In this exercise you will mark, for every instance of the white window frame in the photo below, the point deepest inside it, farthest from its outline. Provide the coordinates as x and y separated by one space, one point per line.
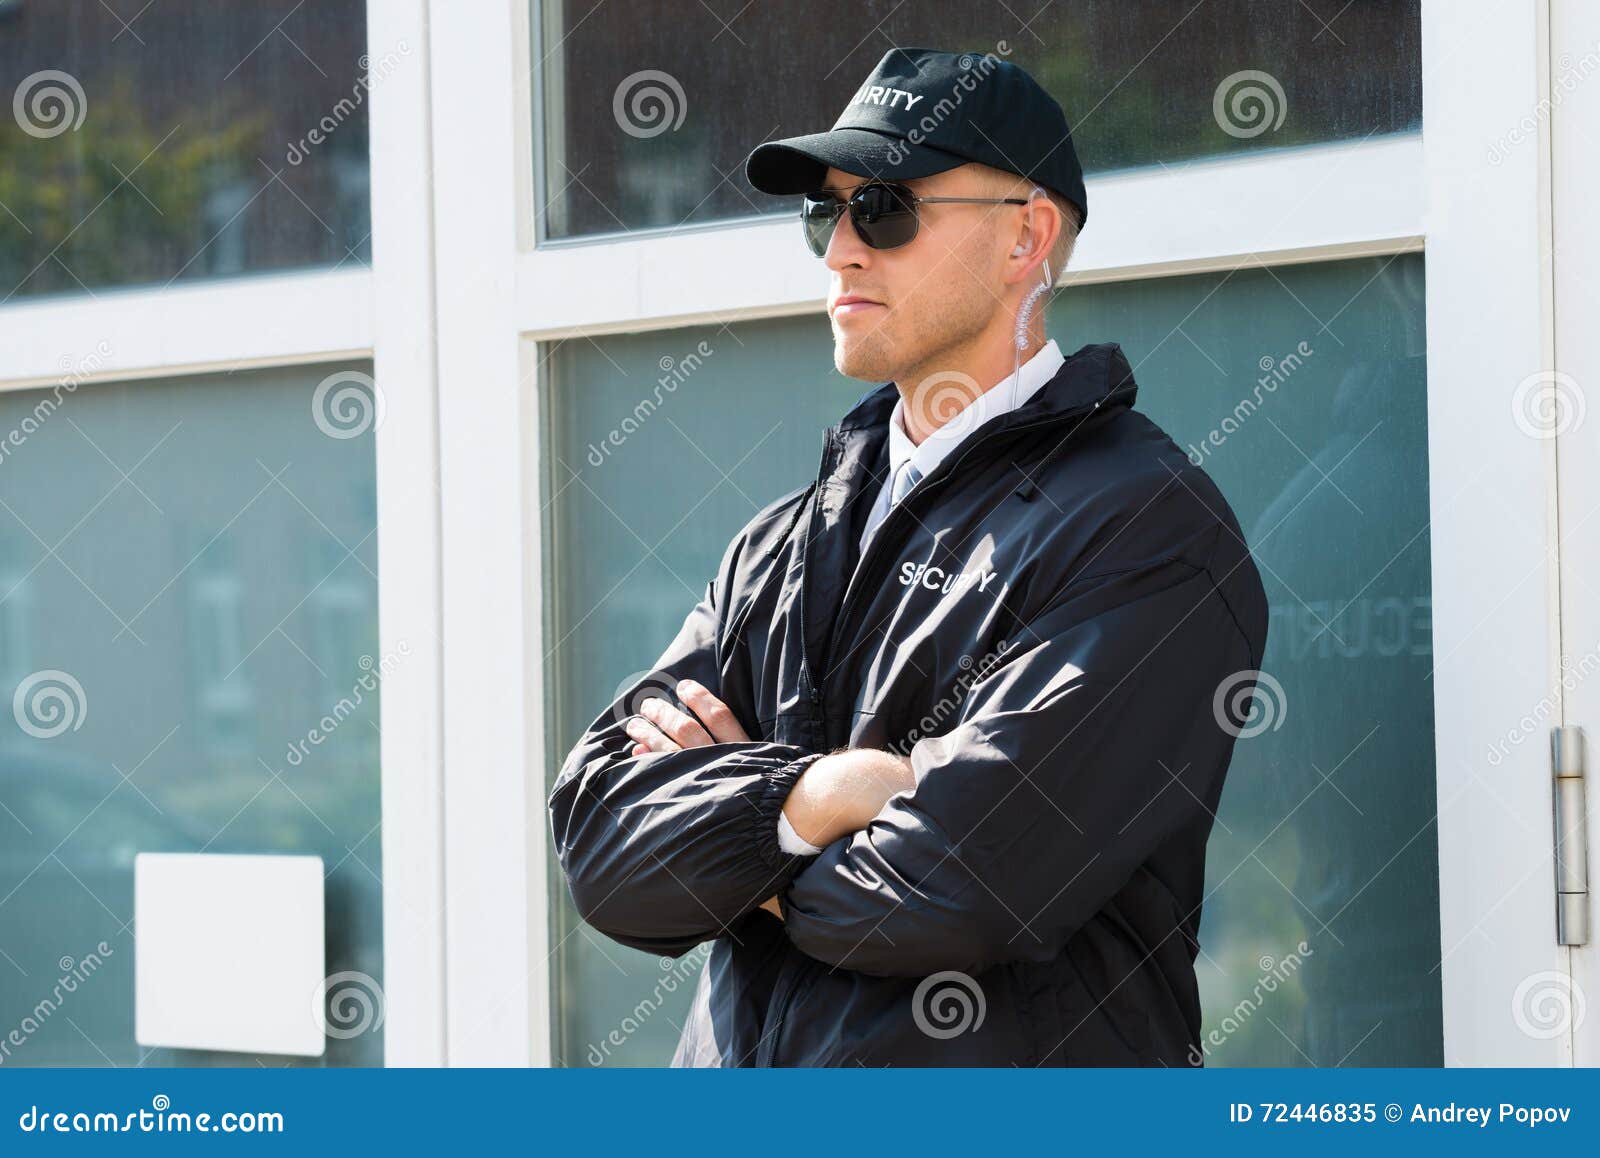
459 299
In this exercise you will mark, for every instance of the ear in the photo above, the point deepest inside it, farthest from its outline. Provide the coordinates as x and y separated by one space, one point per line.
1041 224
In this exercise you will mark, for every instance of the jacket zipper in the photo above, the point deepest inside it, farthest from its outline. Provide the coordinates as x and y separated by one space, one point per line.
824 470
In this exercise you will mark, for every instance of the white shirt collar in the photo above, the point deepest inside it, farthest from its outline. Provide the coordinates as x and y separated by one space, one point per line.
1032 374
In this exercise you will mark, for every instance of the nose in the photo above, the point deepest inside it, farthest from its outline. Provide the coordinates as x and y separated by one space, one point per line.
845 247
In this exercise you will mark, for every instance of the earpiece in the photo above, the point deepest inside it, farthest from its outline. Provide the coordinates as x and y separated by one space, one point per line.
1022 250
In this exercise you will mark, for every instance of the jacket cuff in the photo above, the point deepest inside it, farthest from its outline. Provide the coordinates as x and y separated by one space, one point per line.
769 809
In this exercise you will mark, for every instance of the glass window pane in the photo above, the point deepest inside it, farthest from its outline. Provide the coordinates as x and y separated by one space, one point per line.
188 646
1302 390
166 142
647 121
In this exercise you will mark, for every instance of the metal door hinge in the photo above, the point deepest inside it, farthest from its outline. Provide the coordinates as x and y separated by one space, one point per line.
1571 836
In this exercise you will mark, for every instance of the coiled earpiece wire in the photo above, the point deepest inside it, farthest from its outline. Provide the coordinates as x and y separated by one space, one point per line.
1029 304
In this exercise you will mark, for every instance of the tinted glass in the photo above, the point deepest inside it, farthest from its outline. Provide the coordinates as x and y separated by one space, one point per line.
189 659
647 121
152 143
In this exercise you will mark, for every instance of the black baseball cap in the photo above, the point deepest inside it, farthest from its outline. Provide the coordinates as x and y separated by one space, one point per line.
923 111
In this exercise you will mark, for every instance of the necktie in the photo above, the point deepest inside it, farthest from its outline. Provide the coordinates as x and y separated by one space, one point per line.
905 478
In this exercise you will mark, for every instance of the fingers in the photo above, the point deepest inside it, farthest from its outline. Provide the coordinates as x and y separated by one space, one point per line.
662 727
647 737
678 728
714 714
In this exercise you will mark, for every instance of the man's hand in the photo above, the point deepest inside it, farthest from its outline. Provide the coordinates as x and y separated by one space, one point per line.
662 727
842 792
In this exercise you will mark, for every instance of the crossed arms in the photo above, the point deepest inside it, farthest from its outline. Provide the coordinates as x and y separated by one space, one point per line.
1086 748
838 794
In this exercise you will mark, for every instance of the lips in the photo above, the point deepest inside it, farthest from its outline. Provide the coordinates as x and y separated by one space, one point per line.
850 305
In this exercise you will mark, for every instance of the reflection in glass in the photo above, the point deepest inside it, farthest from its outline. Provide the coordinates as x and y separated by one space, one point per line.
646 121
1302 391
166 142
188 640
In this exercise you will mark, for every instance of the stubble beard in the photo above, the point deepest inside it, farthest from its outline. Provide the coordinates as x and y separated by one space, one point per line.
876 356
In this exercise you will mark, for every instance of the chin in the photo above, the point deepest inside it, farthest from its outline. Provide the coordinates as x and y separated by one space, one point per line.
867 361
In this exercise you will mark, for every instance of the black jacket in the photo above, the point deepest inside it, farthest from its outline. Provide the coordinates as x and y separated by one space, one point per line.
1060 626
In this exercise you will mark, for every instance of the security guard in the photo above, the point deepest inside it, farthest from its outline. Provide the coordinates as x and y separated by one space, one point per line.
934 761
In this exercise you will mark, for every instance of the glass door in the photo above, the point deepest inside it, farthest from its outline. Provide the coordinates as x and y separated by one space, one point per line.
1381 885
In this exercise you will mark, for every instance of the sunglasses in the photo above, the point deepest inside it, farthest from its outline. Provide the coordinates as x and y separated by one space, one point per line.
883 214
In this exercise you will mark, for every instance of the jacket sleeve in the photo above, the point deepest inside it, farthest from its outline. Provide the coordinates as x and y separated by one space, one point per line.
664 851
1077 753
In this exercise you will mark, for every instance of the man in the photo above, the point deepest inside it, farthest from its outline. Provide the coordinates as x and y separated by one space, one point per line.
934 762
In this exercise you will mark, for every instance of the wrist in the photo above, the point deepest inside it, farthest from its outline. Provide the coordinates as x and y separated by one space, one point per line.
812 808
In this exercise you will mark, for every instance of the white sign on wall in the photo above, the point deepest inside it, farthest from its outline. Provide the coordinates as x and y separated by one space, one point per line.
228 952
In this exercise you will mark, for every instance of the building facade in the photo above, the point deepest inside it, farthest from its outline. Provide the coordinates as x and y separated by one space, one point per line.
502 349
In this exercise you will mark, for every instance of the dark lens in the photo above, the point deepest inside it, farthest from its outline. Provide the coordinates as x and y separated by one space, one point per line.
818 216
884 215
